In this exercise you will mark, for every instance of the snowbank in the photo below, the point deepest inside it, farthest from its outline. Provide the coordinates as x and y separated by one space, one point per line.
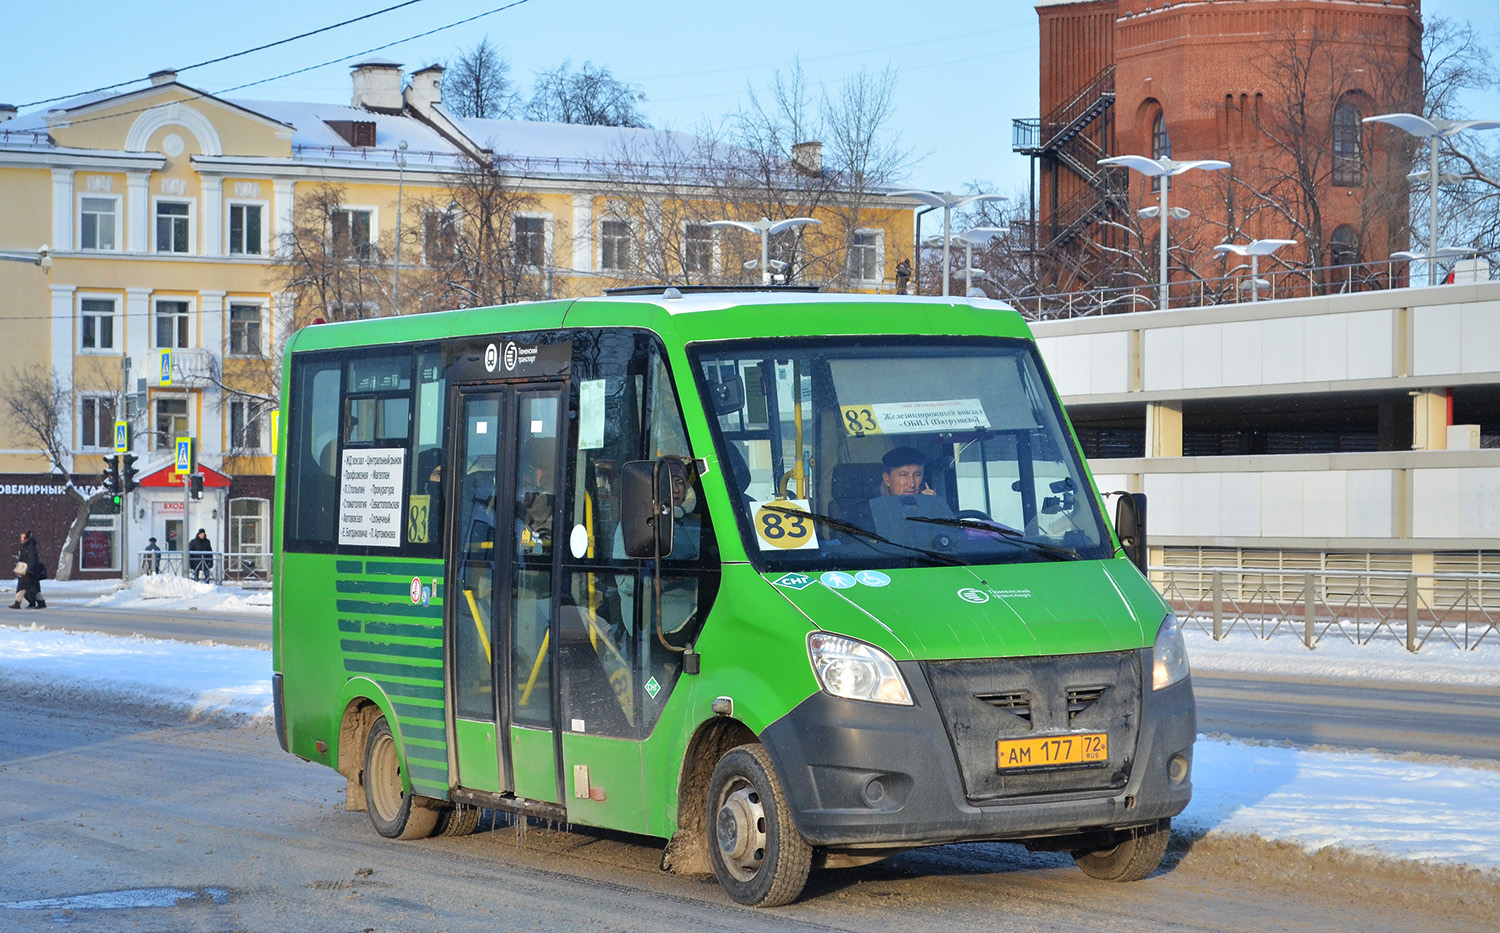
164 592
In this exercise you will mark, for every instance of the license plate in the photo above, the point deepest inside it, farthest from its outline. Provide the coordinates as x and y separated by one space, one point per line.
1054 751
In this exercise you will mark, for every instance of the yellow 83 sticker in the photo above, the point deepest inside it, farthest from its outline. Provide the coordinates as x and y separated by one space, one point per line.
860 419
779 525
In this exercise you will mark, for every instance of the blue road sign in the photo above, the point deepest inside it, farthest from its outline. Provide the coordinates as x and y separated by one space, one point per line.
122 437
184 462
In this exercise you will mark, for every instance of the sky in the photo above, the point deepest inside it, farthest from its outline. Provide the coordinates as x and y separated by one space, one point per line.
1427 810
965 68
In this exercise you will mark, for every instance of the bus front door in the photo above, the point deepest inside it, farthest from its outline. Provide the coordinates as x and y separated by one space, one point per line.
500 562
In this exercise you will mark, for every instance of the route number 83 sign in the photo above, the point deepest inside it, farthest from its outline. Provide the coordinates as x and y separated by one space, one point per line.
779 527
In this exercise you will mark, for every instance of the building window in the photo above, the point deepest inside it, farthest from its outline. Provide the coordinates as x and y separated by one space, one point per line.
245 425
353 232
171 421
1343 247
99 221
245 330
96 422
1348 172
245 230
99 547
864 256
173 226
697 251
248 523
614 245
173 325
96 324
440 235
530 235
1161 144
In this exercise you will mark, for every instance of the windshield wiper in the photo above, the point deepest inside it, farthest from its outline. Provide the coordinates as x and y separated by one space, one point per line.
1054 551
838 524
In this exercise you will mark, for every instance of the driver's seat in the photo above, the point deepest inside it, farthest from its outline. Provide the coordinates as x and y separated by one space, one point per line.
854 485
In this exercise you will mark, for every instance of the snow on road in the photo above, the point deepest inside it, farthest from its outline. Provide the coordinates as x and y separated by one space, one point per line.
1420 810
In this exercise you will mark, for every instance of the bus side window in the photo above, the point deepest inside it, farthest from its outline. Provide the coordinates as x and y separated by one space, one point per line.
424 510
312 456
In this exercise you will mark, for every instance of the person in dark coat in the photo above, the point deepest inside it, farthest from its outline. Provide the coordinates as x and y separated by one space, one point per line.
29 584
151 560
201 556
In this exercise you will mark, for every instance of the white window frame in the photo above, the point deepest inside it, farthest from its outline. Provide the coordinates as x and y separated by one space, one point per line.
715 257
370 209
159 443
192 224
879 235
630 245
106 439
265 218
265 328
192 318
116 332
119 200
546 220
263 508
247 408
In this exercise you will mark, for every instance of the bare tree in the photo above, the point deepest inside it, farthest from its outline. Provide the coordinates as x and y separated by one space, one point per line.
592 95
37 403
478 84
329 261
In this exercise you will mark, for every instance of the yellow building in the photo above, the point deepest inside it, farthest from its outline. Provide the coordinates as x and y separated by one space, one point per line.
172 221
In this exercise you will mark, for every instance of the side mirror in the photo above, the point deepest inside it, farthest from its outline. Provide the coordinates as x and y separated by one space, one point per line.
728 396
646 505
1130 525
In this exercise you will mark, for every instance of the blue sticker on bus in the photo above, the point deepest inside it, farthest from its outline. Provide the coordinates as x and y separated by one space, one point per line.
872 578
837 580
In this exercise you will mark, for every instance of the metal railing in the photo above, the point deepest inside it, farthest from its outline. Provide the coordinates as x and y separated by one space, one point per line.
247 568
1356 605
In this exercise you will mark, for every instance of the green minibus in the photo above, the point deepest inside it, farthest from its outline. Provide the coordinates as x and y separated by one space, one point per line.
786 579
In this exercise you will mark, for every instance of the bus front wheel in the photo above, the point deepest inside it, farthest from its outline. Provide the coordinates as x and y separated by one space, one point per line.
758 855
1135 854
395 814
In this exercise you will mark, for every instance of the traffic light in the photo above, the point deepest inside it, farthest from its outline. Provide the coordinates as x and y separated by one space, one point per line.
195 485
112 476
127 473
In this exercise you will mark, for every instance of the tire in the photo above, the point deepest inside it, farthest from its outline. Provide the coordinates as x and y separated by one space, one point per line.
458 820
1137 853
395 814
758 855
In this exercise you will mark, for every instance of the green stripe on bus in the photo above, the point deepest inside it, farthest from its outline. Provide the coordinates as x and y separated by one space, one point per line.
413 740
373 586
414 712
416 691
437 777
348 625
356 606
435 734
402 568
350 566
392 649
415 672
433 629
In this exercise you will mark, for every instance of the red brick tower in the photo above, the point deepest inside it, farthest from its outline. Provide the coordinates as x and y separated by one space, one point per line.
1275 87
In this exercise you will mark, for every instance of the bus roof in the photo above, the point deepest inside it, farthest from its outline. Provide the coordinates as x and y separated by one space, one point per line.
683 319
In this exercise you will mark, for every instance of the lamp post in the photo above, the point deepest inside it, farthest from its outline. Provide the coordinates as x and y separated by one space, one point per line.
1163 169
947 200
970 238
766 228
396 257
1433 130
1254 249
42 257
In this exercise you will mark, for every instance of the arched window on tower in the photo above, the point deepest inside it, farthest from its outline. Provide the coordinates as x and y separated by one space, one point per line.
1343 246
1161 143
1348 167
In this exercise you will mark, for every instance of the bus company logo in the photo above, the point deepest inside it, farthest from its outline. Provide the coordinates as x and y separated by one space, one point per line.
491 356
970 595
511 356
794 581
416 590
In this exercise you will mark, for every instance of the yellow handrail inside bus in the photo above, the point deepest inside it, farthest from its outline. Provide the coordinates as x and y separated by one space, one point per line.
478 625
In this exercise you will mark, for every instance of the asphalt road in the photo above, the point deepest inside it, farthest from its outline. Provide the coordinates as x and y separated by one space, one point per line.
106 810
226 628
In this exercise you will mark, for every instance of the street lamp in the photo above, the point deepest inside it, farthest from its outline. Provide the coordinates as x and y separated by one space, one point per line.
1254 249
947 200
1434 131
1163 169
42 257
970 238
767 229
396 258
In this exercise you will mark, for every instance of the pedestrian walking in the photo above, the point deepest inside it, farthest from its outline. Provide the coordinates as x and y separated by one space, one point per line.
201 556
151 562
30 571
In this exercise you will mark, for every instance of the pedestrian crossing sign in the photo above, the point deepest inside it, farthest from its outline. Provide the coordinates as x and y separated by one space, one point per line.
164 376
122 437
184 462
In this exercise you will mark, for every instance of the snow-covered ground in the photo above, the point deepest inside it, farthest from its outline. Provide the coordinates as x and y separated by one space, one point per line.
1437 812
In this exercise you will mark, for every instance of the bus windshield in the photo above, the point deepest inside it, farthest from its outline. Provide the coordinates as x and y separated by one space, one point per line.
855 453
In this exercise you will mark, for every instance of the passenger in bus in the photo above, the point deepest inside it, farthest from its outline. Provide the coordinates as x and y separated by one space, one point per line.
905 492
535 496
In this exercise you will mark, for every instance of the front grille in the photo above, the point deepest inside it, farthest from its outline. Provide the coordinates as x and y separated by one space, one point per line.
987 700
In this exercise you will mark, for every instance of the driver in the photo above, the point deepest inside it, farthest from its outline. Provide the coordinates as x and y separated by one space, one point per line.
904 492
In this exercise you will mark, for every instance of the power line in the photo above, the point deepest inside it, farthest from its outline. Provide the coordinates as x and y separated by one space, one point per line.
225 58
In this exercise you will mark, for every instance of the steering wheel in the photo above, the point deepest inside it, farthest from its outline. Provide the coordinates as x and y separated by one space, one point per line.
974 513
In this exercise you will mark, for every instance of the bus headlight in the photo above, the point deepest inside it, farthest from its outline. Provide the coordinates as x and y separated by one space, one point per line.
856 671
1169 662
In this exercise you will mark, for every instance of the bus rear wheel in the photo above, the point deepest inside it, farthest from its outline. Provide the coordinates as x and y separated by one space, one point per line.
1135 854
758 855
393 811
